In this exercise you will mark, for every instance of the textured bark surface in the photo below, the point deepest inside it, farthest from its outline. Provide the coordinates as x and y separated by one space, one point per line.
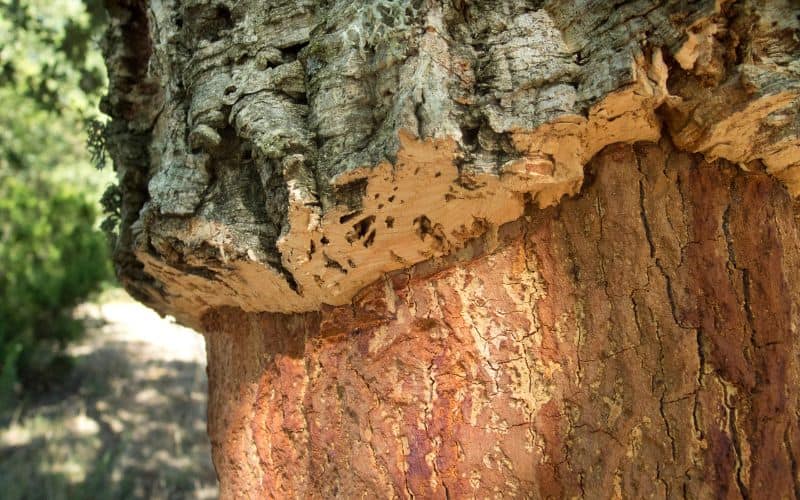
636 342
534 249
280 156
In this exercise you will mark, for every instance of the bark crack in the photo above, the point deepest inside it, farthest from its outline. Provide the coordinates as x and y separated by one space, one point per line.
642 213
787 443
730 408
743 271
376 404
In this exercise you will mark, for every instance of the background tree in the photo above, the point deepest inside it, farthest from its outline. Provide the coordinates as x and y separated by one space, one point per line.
51 254
450 248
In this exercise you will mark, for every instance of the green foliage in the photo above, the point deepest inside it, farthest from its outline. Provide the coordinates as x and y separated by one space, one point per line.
112 206
51 79
96 142
48 51
51 259
51 254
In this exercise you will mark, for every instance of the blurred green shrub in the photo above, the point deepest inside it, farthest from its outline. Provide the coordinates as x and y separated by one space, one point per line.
51 258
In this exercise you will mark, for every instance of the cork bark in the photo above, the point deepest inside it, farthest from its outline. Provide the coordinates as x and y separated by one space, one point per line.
450 249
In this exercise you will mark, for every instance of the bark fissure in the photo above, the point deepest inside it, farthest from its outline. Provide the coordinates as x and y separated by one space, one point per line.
787 443
730 408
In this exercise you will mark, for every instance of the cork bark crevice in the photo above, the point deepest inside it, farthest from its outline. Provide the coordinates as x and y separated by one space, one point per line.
291 154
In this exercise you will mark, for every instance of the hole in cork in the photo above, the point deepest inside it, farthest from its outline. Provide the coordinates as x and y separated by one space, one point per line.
360 229
370 239
350 216
423 226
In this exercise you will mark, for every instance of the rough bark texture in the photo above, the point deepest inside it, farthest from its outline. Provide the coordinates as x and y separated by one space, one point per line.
491 248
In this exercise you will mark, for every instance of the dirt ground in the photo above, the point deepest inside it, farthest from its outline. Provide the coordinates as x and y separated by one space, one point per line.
128 423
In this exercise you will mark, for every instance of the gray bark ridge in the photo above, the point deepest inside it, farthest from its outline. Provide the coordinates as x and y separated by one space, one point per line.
280 156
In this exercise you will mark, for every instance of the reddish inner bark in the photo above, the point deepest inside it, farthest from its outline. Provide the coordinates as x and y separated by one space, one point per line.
638 340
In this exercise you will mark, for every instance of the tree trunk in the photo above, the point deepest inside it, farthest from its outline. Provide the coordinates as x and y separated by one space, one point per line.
473 249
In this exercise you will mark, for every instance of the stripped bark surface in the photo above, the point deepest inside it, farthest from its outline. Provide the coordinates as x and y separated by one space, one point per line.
635 342
495 248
